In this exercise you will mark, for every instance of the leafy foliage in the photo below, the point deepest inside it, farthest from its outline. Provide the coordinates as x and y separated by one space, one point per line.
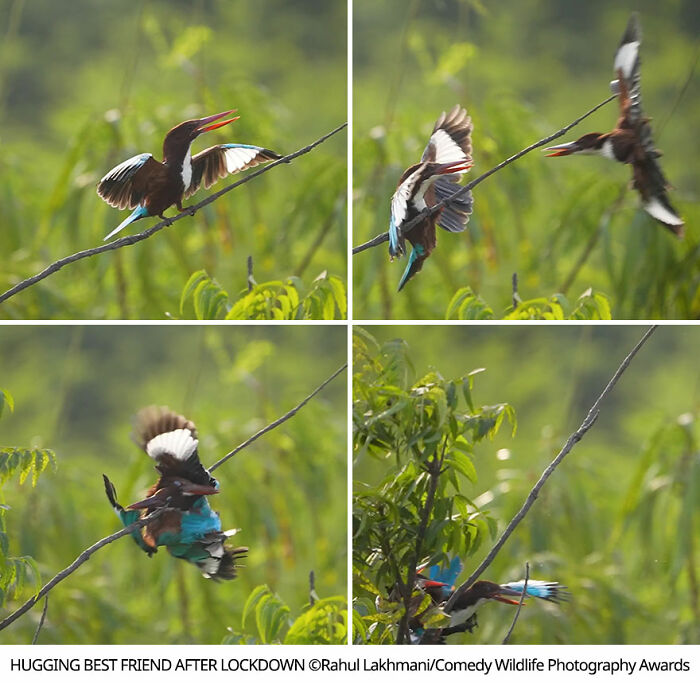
424 432
466 305
276 300
322 623
564 225
18 572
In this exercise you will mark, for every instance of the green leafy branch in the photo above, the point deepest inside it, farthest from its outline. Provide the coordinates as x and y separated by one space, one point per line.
274 300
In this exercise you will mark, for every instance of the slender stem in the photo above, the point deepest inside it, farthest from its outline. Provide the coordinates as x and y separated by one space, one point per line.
520 605
532 496
81 559
41 621
278 421
133 239
429 211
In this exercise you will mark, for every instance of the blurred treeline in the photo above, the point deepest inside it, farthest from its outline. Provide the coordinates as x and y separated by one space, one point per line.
76 391
524 70
618 520
85 85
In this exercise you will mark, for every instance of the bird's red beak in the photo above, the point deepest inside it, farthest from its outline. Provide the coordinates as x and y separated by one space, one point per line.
204 128
501 597
561 150
456 167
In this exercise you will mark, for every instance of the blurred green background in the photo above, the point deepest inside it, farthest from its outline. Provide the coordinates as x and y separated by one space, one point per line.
618 520
85 85
76 391
524 70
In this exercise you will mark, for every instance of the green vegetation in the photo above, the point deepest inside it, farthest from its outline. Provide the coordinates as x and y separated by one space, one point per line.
523 71
617 521
85 86
76 390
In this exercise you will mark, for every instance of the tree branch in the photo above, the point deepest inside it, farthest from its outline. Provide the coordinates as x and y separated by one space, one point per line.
133 239
532 496
41 621
429 211
435 468
81 559
520 605
279 420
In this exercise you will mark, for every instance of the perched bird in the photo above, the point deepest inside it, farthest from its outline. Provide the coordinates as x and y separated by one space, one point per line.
463 613
188 528
630 142
149 187
445 159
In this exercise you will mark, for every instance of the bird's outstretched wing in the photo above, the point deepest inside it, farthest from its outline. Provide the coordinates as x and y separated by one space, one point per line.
626 67
171 440
451 138
222 160
125 185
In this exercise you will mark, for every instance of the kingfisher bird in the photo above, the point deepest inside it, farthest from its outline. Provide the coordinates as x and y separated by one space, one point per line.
149 187
446 158
188 528
630 142
463 613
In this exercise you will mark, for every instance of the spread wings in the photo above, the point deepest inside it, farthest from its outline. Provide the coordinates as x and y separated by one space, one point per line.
125 185
221 160
451 138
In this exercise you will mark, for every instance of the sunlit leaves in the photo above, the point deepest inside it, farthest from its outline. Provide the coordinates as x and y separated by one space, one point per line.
275 300
25 460
591 305
323 623
412 424
6 400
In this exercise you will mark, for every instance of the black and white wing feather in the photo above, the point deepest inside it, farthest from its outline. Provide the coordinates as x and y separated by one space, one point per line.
451 138
124 186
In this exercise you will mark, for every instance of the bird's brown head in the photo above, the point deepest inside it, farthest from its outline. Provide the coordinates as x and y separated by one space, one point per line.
182 135
493 591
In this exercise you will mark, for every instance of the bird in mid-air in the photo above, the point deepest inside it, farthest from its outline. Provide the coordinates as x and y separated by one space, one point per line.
149 187
631 142
446 158
188 527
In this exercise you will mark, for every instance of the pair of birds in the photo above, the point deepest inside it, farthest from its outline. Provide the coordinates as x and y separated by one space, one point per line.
439 584
448 156
188 527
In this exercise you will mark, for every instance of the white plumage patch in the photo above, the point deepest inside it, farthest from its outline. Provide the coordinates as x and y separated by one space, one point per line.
656 209
179 443
446 149
460 616
607 150
187 168
238 158
626 57
399 202
127 167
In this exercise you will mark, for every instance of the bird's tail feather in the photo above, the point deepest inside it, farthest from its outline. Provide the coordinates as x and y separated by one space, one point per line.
138 212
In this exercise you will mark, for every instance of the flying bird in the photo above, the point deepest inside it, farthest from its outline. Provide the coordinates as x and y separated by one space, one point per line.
149 187
631 142
446 158
188 528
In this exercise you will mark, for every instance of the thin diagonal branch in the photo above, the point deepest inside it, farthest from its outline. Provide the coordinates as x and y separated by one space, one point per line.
520 605
429 211
41 621
133 239
279 420
532 496
81 559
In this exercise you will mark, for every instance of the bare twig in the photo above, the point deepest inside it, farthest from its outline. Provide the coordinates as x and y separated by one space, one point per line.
516 296
41 621
133 239
520 605
429 211
279 420
251 280
434 468
532 496
312 588
81 559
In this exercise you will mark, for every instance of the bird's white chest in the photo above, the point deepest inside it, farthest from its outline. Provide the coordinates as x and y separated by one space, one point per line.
460 616
607 150
187 168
